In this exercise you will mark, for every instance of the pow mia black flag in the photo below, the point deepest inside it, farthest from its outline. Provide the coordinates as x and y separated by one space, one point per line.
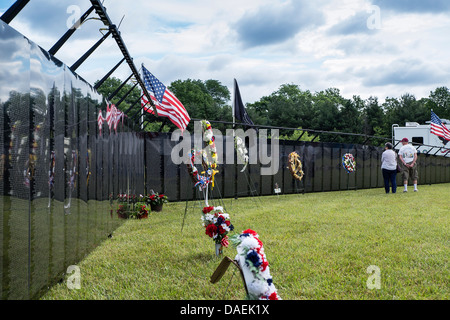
239 110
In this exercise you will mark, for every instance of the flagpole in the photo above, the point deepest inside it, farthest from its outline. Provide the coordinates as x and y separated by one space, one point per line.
233 106
142 108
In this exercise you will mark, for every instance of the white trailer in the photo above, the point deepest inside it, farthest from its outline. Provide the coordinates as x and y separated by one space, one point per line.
420 136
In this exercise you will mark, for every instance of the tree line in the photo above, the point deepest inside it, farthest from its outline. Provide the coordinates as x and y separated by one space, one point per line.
292 107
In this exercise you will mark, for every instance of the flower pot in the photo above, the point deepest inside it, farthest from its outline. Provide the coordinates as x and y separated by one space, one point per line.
122 215
143 216
156 207
219 249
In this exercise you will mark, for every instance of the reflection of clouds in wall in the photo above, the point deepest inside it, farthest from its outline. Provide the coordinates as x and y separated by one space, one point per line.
8 71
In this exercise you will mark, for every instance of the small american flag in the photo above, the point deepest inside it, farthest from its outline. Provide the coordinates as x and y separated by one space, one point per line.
438 128
167 105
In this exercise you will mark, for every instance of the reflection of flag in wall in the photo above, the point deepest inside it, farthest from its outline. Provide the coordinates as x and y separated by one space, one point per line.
116 115
239 110
113 116
438 128
100 120
109 117
167 105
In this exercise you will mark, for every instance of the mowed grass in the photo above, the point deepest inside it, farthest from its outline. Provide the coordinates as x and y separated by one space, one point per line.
319 246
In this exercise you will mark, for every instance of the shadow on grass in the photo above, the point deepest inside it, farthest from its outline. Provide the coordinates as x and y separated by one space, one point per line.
202 257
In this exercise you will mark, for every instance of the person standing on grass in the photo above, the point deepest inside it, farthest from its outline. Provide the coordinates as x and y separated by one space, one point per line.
408 161
389 167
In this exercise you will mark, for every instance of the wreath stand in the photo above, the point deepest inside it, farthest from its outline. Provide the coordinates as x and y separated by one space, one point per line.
207 195
297 188
295 167
348 176
348 180
222 268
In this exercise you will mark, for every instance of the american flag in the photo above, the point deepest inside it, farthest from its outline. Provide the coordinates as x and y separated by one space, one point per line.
167 105
438 128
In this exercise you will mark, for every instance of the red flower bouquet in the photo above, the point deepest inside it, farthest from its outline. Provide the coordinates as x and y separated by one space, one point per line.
217 224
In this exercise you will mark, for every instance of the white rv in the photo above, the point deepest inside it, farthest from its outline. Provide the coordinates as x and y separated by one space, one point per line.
421 137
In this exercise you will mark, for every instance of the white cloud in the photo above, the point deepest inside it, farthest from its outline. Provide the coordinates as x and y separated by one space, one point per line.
202 39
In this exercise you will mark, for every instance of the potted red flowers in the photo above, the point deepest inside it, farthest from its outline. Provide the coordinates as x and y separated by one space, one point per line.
132 207
156 201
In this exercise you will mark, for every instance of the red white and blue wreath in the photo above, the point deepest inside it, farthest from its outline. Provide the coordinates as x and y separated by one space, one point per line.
348 162
217 224
254 266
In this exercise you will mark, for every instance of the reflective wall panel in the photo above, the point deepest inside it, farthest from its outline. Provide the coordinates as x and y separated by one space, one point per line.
58 170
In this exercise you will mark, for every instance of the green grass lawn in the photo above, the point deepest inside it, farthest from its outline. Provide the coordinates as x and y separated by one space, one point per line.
319 246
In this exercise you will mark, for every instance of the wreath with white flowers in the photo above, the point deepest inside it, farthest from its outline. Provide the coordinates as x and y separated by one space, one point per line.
295 165
348 162
242 151
254 265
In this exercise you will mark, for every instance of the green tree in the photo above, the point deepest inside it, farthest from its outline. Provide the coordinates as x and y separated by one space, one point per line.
204 100
111 84
405 109
289 106
439 102
373 118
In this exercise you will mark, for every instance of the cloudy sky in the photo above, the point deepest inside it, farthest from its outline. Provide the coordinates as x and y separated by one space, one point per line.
381 48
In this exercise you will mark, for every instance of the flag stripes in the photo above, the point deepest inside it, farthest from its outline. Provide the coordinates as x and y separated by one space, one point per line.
438 128
167 105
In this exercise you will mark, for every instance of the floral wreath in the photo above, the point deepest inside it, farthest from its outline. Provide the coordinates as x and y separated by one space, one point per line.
217 224
209 167
208 137
242 151
254 266
199 180
349 163
295 165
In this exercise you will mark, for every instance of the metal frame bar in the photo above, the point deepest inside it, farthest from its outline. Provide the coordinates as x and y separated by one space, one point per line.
13 11
112 95
101 12
108 74
89 52
304 131
317 134
126 95
437 151
128 110
137 112
70 32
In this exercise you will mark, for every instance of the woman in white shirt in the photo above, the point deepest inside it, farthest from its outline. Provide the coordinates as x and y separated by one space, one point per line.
389 167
